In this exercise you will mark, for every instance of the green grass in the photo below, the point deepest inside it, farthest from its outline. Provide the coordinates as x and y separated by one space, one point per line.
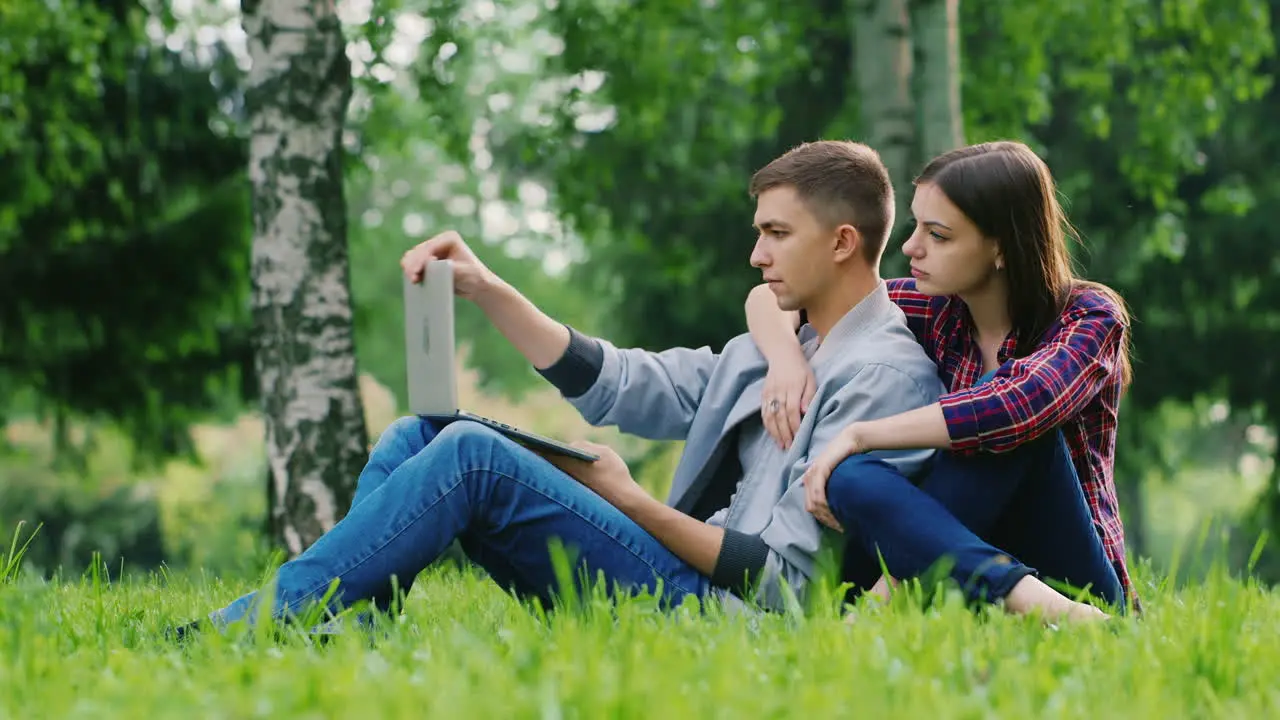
89 647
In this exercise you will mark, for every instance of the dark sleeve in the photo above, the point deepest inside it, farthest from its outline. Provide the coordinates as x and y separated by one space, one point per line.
740 562
579 368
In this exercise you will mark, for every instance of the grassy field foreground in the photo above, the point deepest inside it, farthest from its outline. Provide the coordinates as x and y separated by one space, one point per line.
92 648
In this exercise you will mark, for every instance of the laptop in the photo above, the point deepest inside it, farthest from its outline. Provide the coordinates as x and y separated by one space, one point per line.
431 365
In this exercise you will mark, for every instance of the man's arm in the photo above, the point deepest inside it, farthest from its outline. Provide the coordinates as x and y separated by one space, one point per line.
540 338
692 540
722 555
731 559
653 395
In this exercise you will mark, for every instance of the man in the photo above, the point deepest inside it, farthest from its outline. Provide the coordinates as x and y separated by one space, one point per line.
735 525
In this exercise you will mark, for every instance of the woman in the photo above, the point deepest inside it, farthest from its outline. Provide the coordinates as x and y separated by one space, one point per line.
1035 360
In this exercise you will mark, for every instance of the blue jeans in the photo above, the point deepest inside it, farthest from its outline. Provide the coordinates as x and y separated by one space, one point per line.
993 518
425 486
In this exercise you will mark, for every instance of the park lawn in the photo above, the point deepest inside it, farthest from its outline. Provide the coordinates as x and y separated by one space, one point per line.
92 648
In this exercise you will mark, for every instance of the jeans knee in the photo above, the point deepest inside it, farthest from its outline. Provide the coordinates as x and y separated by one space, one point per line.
465 434
861 486
1049 448
407 427
470 446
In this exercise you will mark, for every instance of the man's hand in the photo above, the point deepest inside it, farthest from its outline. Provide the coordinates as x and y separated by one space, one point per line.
470 276
692 540
539 338
609 477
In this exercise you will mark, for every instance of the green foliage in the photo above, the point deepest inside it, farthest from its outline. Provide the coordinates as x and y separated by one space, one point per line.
123 222
1152 79
214 524
79 520
413 175
661 193
648 153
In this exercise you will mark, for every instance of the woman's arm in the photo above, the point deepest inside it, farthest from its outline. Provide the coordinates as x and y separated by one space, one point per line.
790 381
1032 395
772 328
924 427
1028 396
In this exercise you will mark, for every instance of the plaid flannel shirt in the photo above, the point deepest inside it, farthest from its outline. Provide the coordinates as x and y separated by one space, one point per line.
1071 381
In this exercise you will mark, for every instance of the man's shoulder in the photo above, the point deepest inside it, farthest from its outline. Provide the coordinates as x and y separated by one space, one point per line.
885 357
741 348
889 341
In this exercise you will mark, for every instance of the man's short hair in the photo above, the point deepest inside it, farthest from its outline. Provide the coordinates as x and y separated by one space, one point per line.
841 182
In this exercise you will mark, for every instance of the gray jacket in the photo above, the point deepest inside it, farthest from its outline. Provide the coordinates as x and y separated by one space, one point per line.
869 366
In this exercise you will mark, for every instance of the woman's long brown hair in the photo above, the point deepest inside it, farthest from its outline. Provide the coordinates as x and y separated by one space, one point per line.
1007 191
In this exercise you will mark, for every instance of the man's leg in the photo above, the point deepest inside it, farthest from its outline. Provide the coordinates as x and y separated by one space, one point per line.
503 501
402 439
1028 502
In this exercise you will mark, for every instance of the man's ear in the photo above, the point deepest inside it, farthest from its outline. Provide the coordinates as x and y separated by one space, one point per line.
848 242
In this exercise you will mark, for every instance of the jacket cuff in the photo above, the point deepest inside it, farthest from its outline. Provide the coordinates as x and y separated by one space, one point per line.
741 560
578 368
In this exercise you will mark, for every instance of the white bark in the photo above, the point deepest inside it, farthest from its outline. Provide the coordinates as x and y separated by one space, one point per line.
883 67
298 88
936 26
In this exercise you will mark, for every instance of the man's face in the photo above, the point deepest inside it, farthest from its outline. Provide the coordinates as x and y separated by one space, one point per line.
795 251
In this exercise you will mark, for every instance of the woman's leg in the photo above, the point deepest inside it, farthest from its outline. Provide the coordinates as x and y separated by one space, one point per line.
1047 524
1027 502
504 502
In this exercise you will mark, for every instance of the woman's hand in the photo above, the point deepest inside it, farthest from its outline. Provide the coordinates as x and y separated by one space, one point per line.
815 477
788 389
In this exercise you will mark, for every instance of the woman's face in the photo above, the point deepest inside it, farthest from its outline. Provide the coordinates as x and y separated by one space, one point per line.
949 255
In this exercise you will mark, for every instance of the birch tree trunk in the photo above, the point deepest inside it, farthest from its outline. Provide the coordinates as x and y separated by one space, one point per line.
936 26
297 93
883 65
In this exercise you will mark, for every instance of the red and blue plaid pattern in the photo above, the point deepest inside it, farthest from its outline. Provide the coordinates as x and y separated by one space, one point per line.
1072 381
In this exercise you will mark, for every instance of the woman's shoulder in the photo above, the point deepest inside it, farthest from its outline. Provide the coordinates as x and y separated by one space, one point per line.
903 290
1094 300
912 301
902 286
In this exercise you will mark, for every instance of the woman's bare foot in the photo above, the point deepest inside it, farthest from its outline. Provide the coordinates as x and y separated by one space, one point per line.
1031 595
883 587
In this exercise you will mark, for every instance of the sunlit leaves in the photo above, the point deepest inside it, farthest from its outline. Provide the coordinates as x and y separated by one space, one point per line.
1155 77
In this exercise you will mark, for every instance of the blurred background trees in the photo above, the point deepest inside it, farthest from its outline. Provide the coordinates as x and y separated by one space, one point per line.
597 152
